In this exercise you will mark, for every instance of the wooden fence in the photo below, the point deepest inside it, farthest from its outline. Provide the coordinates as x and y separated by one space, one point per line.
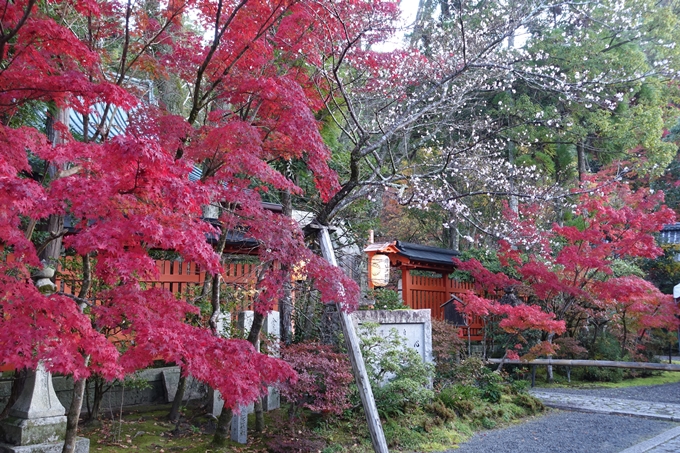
185 280
587 363
423 292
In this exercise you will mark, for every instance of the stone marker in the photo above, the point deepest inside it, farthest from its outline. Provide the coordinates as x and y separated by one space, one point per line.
245 322
272 400
36 422
239 424
171 382
413 326
215 402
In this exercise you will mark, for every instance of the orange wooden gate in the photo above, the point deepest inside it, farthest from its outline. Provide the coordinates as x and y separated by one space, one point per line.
423 292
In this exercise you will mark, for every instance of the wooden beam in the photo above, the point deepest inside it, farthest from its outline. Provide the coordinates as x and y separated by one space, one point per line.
601 363
357 360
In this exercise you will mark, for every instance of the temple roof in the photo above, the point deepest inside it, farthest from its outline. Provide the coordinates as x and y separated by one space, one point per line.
426 254
415 255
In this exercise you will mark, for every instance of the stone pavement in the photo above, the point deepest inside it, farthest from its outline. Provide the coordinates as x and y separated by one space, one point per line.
591 403
667 442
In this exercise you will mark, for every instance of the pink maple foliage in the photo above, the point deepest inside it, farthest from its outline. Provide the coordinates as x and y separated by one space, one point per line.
250 112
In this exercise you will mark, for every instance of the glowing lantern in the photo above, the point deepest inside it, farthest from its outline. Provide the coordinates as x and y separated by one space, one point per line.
380 270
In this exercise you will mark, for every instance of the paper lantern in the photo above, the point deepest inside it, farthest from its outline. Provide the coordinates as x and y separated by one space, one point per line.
380 270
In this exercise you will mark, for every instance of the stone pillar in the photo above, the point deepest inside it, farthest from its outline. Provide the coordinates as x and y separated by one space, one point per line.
37 421
215 401
239 422
271 328
245 322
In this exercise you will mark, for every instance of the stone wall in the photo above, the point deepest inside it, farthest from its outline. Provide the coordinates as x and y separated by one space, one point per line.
154 393
413 325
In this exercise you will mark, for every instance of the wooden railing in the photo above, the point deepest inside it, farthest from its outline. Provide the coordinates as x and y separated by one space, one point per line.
586 363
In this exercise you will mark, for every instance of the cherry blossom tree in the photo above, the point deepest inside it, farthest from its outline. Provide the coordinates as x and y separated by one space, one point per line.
489 103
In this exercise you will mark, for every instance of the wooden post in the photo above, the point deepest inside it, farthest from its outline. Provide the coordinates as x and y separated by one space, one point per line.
358 366
406 287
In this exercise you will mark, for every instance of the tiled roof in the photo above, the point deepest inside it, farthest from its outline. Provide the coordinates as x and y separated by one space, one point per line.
670 234
426 254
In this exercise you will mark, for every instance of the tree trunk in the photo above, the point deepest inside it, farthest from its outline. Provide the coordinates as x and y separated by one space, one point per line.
581 157
259 416
97 400
73 416
223 428
179 396
51 251
254 339
514 200
286 302
17 387
502 362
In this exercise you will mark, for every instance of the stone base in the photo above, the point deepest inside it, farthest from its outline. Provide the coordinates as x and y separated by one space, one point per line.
82 446
21 431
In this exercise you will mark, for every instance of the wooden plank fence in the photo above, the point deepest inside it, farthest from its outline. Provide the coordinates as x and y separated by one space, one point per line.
185 279
424 292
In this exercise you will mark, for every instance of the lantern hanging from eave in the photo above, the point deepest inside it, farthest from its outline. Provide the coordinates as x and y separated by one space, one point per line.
380 270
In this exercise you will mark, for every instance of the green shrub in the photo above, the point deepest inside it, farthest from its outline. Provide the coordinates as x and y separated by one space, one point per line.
488 423
491 385
606 347
469 371
386 299
439 409
399 376
519 386
460 398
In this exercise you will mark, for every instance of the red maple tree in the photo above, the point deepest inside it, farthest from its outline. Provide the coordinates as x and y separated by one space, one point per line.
568 273
250 97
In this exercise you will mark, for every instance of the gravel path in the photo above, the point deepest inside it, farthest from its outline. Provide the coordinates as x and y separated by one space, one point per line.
566 432
574 432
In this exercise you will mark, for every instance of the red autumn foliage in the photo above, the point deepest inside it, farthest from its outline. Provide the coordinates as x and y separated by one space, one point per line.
250 110
573 281
323 378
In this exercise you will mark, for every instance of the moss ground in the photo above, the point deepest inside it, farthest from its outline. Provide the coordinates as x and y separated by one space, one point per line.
433 428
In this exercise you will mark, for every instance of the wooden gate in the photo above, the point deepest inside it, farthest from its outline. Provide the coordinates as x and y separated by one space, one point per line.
423 292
